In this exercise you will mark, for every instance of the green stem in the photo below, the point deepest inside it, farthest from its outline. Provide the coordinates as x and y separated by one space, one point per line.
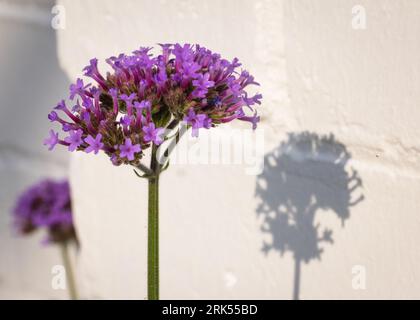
153 231
69 271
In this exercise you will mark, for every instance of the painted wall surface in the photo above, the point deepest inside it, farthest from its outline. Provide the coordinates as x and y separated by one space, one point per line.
335 213
31 83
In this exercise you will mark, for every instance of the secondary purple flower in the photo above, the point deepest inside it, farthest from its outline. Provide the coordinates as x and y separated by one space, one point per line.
95 144
46 205
74 139
52 140
153 134
127 150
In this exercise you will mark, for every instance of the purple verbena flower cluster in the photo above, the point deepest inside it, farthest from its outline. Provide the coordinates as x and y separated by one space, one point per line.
129 108
46 205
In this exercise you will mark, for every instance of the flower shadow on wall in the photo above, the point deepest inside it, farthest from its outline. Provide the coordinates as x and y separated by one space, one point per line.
305 176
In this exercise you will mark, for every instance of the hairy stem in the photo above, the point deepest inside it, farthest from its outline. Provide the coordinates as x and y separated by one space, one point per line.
153 231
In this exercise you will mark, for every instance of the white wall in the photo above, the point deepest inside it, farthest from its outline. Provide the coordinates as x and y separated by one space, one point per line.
31 82
318 74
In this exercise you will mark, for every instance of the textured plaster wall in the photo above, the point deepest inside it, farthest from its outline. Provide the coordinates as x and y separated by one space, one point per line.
350 187
31 81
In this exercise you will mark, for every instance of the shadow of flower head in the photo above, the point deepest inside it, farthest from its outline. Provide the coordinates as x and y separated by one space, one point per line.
308 174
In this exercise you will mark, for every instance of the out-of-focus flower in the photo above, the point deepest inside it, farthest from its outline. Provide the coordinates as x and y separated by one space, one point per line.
130 107
46 205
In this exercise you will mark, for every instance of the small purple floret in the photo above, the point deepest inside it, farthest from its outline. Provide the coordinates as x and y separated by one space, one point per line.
52 140
153 134
95 144
127 150
74 139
